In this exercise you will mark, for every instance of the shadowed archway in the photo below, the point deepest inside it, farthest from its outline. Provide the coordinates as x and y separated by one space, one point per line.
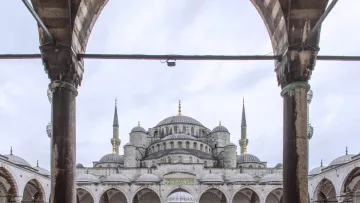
33 192
246 195
275 196
146 195
325 192
8 186
113 195
212 195
351 186
83 196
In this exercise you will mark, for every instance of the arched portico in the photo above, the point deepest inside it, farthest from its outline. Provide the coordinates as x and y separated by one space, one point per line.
146 195
8 186
350 189
113 195
325 192
246 195
83 196
275 196
33 192
213 195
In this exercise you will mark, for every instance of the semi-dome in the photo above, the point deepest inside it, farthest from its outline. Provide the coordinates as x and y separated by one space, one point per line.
220 128
272 178
138 129
316 171
248 158
241 177
86 178
112 158
148 178
17 160
179 119
42 171
212 178
341 160
180 197
179 137
117 177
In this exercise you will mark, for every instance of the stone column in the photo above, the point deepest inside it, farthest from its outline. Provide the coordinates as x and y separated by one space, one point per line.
293 73
65 73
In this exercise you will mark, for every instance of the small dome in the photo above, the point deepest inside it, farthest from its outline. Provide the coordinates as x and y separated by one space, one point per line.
241 177
248 158
316 171
179 137
79 166
279 166
220 128
272 178
138 129
43 171
148 178
112 158
17 160
86 178
212 178
341 160
180 197
117 177
179 120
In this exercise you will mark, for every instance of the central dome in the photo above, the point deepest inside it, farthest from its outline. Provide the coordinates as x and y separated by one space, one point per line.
179 119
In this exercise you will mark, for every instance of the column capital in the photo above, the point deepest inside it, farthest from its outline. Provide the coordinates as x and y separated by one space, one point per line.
293 86
296 65
61 64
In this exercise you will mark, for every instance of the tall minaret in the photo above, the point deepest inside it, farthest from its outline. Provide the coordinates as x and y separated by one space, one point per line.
115 141
243 141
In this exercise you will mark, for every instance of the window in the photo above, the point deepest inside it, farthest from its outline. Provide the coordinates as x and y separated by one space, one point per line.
195 145
169 160
164 145
205 163
158 147
192 130
179 159
187 145
180 145
190 159
175 129
201 147
172 145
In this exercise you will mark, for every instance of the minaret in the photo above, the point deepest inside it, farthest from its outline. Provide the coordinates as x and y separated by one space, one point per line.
115 141
243 141
179 109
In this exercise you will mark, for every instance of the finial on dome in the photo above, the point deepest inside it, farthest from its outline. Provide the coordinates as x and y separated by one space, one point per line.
37 163
219 123
321 163
10 150
179 108
139 123
346 151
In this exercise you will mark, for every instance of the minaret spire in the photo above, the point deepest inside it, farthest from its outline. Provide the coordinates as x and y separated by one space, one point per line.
116 121
243 141
179 108
37 163
10 150
346 150
321 164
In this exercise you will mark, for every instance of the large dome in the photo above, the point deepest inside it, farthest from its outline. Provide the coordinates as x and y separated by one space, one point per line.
179 137
341 160
112 158
179 120
248 158
220 128
17 160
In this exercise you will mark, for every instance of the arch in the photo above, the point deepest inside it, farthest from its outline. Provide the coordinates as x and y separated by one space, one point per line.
33 191
6 175
187 145
164 146
325 192
158 147
246 194
201 147
195 145
180 146
177 189
172 145
350 186
274 196
145 195
84 196
213 195
113 195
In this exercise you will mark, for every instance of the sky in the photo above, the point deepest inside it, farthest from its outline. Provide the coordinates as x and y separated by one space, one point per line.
148 91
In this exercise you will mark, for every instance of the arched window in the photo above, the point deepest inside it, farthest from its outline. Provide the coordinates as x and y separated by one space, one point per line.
170 131
153 149
209 150
164 145
153 163
201 147
198 161
190 159
192 130
180 145
187 145
179 159
184 129
195 145
175 129
206 149
172 145
158 147
205 163
166 130
169 160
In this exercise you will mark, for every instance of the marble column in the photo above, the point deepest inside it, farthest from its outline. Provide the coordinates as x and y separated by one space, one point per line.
295 142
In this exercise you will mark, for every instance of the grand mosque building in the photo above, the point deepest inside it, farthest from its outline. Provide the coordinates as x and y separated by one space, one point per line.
180 160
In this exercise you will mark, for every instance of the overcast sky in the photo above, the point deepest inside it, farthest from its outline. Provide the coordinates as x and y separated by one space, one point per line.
149 90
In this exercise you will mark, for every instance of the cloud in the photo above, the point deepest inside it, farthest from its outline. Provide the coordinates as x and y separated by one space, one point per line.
149 90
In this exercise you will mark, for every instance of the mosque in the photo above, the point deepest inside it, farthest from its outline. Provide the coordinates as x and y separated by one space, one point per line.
180 160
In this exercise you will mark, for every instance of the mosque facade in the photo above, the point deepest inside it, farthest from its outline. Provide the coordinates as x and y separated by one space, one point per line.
180 160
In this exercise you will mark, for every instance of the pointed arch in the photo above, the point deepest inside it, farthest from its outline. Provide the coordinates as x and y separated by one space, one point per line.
113 195
9 183
325 192
84 196
33 191
246 195
145 195
213 195
275 196
350 186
